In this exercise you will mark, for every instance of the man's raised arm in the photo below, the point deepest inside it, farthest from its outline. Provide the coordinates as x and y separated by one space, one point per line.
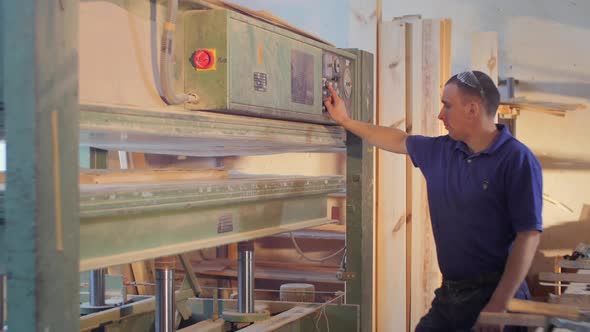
390 139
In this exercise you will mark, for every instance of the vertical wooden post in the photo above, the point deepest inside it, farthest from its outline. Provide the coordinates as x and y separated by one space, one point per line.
390 180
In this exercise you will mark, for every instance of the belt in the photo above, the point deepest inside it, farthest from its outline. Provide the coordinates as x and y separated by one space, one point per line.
481 280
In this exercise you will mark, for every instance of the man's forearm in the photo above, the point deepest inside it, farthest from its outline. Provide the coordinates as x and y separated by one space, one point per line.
390 139
517 267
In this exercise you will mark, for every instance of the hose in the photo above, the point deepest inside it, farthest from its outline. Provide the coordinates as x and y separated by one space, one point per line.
167 52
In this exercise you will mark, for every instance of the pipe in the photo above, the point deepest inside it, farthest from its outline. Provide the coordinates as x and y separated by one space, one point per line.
246 277
167 52
2 304
510 87
97 288
165 306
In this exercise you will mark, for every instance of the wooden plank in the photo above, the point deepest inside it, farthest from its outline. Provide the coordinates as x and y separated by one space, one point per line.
128 277
445 50
113 176
137 160
445 59
567 277
282 319
556 109
484 54
270 273
232 251
117 314
206 326
426 100
390 182
189 274
410 100
505 318
581 301
315 234
577 264
144 277
40 85
149 176
546 309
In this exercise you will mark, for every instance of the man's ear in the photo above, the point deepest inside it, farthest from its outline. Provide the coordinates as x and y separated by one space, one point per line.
474 109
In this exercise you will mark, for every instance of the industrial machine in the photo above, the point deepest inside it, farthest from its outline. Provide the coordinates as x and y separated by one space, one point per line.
237 64
227 84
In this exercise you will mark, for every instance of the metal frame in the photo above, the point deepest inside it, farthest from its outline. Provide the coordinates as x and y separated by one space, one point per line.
198 133
160 219
41 129
42 126
359 200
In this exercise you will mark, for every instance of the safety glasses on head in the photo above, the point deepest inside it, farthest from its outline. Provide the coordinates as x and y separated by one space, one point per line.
468 78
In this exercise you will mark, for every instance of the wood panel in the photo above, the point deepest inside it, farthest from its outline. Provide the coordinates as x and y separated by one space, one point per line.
567 277
391 186
426 52
484 54
149 176
144 277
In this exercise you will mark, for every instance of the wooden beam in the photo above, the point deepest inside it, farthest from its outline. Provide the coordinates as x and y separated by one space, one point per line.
409 87
577 264
567 277
205 326
149 176
283 319
144 277
556 109
546 309
390 183
426 101
190 274
446 27
505 318
581 301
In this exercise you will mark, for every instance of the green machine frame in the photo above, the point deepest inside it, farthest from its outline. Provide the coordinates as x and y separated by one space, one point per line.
42 123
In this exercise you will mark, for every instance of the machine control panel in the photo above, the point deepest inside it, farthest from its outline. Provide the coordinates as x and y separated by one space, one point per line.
337 70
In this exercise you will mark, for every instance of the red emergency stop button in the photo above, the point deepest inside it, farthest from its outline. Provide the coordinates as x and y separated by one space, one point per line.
204 59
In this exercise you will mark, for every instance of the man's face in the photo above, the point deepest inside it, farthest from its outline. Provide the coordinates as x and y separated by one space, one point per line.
455 113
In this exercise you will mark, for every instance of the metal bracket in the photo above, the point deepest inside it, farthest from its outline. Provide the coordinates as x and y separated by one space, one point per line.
344 275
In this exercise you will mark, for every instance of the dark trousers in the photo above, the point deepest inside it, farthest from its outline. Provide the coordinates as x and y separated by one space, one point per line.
457 304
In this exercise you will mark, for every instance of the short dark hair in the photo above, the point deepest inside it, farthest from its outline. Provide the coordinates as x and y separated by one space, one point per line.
483 88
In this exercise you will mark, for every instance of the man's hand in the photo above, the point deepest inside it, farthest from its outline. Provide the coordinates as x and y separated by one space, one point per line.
336 106
491 307
386 138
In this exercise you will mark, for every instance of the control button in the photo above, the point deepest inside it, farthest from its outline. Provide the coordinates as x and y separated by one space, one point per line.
347 80
203 59
337 65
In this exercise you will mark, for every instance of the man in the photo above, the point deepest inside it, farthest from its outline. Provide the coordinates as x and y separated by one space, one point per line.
485 196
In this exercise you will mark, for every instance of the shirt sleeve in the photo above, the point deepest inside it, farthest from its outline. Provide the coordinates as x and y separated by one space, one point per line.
525 192
420 149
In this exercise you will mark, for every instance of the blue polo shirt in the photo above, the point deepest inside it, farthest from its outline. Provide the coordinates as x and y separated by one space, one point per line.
478 201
